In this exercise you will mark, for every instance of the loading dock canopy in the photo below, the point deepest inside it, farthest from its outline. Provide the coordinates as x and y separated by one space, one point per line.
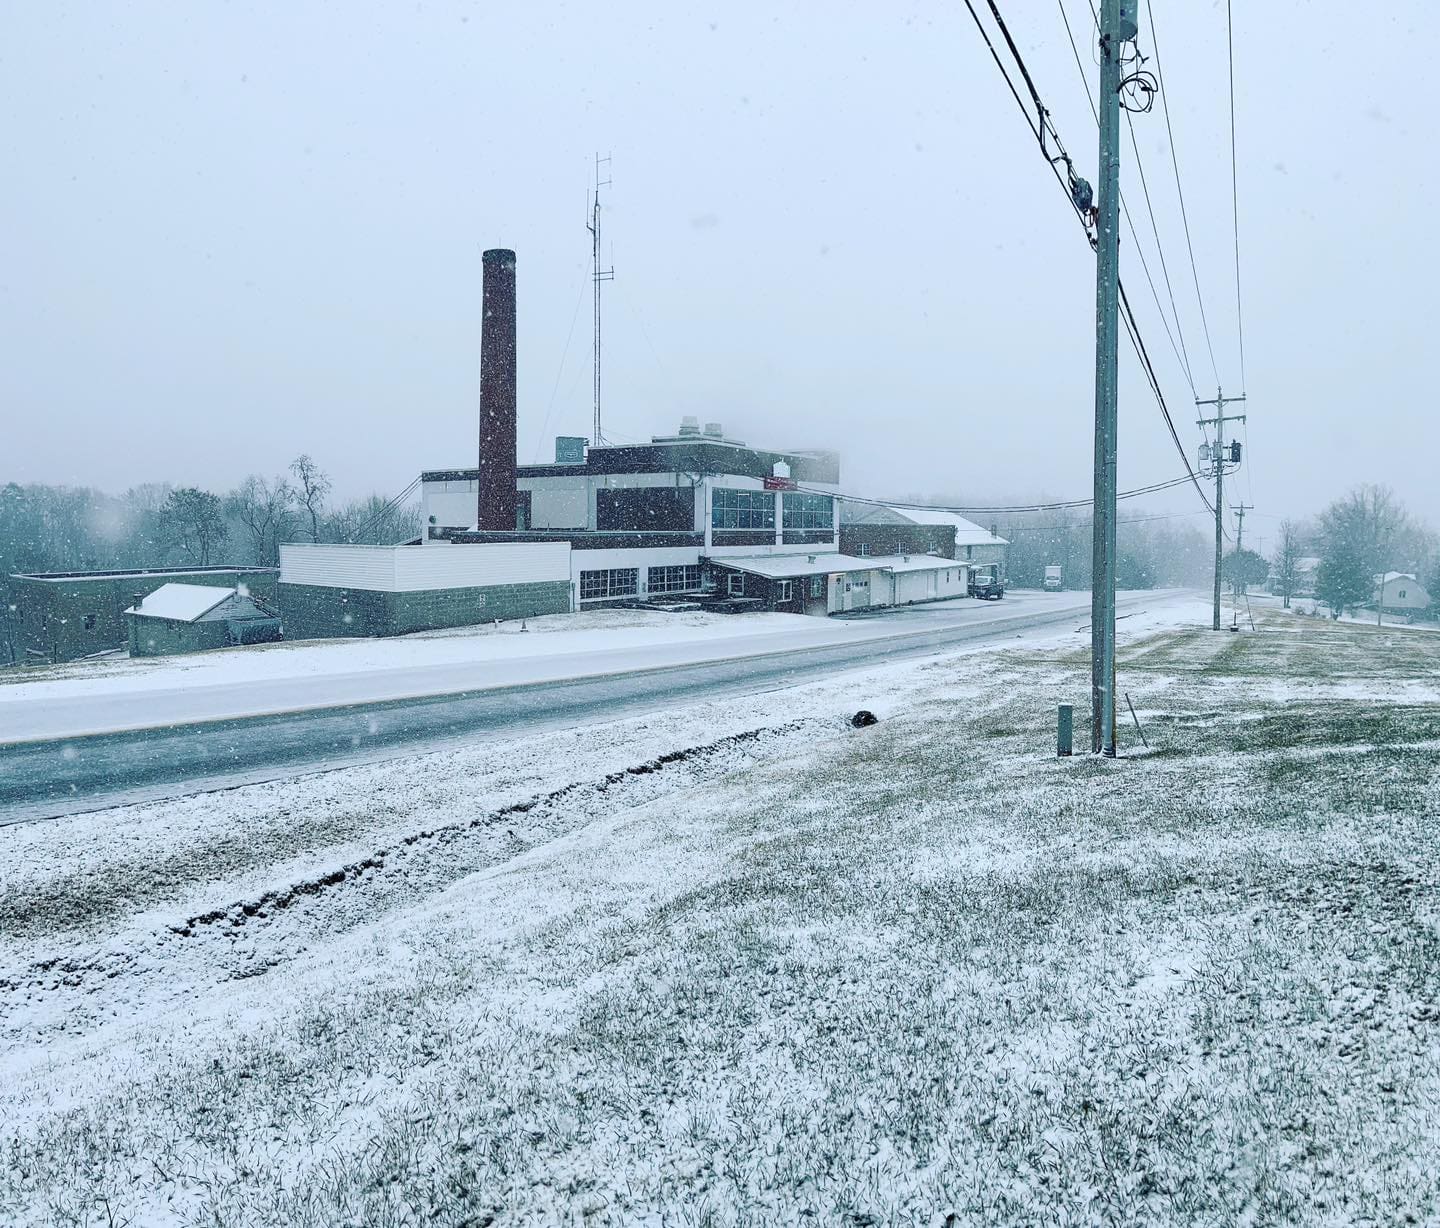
788 566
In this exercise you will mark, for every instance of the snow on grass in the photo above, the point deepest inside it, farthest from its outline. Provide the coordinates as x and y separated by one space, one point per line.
919 973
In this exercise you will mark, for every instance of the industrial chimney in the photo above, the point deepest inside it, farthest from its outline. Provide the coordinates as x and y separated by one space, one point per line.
495 501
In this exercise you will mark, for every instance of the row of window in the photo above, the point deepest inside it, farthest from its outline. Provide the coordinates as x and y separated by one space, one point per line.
625 581
680 579
784 589
755 509
601 585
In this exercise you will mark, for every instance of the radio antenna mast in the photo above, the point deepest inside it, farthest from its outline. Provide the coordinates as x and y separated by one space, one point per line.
598 275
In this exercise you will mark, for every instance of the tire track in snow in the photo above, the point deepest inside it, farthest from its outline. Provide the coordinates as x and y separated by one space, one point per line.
72 993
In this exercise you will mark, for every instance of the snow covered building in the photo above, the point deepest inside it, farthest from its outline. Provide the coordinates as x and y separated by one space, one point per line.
871 528
66 615
192 617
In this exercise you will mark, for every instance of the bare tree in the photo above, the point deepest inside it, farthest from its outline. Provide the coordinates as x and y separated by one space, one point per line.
1287 559
313 487
266 511
194 520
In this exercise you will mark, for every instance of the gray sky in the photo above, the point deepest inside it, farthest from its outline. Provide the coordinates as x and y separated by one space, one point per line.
237 232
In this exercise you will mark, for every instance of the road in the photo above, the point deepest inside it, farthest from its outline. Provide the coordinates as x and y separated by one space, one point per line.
60 776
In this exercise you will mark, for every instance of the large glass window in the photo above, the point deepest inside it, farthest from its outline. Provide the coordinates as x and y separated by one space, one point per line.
809 512
617 582
681 579
742 509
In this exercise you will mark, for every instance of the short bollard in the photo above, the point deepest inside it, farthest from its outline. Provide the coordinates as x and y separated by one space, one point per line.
1066 731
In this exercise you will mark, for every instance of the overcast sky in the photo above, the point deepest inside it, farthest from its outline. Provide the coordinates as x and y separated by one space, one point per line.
236 232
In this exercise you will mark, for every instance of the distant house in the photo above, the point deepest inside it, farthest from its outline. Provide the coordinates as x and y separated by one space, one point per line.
193 617
1401 592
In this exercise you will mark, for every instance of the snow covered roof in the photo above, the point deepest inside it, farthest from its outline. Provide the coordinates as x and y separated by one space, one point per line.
916 562
967 532
181 602
779 566
1394 575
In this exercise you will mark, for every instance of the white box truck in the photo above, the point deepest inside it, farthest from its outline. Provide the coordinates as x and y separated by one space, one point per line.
1052 580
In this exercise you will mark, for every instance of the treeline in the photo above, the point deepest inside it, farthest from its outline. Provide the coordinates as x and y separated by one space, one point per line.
69 528
1152 551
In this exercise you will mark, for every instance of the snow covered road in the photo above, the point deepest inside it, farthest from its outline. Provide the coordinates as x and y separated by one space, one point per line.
301 676
208 741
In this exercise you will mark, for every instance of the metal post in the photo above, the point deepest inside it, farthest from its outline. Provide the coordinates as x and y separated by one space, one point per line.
1107 274
1065 731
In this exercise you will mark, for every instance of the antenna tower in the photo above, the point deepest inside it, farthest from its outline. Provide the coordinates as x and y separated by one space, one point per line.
598 275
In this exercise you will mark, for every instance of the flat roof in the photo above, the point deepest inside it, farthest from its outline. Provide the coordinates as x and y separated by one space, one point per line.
779 566
142 573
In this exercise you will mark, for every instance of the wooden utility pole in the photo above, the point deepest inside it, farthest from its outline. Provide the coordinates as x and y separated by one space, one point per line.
1117 27
1219 400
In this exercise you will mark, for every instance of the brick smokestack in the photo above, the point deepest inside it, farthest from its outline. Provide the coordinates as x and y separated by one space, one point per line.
495 503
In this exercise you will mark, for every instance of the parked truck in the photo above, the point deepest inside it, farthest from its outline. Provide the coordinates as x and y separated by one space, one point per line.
985 582
1053 581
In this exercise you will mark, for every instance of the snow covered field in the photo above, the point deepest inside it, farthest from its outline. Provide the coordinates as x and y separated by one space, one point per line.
743 964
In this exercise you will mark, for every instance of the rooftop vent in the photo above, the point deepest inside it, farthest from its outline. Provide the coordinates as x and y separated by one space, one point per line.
715 430
689 425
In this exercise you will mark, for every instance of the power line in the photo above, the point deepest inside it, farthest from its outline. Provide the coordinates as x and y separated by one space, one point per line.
1132 326
1180 191
1182 355
1062 505
1234 191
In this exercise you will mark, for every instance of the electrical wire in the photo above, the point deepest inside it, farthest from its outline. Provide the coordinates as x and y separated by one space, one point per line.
1235 192
389 507
1180 192
1131 327
1013 509
559 371
1182 355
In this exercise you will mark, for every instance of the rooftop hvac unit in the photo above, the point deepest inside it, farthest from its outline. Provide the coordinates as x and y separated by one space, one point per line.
715 430
689 425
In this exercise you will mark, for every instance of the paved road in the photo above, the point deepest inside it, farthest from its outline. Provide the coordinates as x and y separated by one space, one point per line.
67 776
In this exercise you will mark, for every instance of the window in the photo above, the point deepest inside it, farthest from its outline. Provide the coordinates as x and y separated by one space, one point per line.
616 582
809 512
1401 594
683 579
864 550
817 586
742 509
735 585
784 591
90 620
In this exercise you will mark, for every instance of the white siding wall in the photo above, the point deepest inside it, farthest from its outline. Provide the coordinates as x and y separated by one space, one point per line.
558 503
451 503
408 569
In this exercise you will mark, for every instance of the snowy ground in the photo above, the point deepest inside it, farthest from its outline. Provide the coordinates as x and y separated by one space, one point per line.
743 964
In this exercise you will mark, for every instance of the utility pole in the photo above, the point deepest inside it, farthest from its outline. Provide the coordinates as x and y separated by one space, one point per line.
1117 27
1220 400
1240 509
597 275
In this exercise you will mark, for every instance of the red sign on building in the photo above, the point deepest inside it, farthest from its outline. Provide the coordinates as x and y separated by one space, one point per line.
779 483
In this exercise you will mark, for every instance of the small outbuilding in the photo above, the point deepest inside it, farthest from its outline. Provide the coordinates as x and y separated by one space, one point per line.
194 617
